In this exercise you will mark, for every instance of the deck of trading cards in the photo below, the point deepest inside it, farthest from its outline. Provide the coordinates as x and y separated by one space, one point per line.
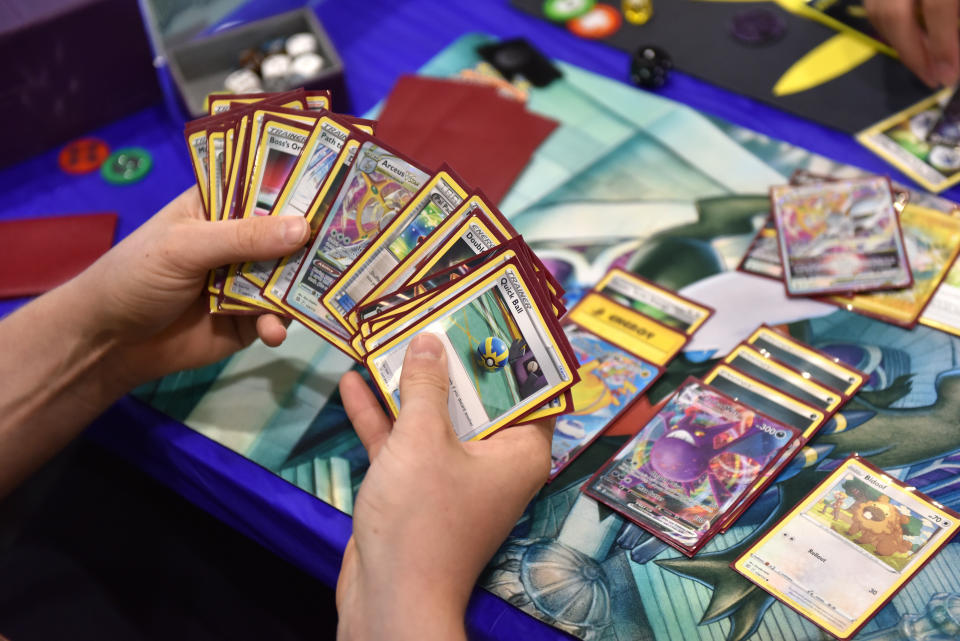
395 250
716 443
857 244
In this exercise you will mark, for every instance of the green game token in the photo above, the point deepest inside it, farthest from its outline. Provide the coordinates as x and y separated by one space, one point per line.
127 165
563 10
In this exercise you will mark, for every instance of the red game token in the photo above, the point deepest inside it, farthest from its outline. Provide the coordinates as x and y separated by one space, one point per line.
83 155
600 22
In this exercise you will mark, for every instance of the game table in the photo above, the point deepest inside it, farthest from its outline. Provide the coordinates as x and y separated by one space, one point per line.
378 41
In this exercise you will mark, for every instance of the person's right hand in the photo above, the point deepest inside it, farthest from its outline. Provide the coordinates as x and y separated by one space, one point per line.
924 33
431 511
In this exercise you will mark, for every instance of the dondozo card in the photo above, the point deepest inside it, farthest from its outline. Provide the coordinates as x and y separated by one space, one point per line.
651 300
933 240
690 463
904 141
840 237
843 552
611 379
822 368
496 317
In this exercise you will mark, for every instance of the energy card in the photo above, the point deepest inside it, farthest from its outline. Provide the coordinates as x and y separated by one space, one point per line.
767 399
765 369
283 274
473 220
438 198
378 185
653 301
497 318
845 549
763 255
689 464
839 237
305 181
819 367
902 141
636 332
933 240
611 378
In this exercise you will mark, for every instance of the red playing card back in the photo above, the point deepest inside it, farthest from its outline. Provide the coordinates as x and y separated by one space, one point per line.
41 253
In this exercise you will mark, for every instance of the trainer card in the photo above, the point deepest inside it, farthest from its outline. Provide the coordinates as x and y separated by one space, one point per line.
640 334
217 143
314 164
765 369
902 140
283 274
438 198
843 552
200 160
504 354
653 301
611 378
839 237
817 366
689 464
763 255
473 214
767 399
933 240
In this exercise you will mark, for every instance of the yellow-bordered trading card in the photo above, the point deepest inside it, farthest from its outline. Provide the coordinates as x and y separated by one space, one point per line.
435 201
827 371
901 140
667 307
306 179
766 399
285 271
498 317
765 369
200 160
640 334
933 240
842 553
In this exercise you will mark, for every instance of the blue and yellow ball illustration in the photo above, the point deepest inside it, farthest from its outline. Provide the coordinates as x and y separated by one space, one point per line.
492 353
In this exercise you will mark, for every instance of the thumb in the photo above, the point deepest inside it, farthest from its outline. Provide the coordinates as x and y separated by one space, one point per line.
424 383
211 244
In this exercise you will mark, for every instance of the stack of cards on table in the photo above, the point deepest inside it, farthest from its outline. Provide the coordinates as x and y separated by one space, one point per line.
623 332
859 245
715 444
395 250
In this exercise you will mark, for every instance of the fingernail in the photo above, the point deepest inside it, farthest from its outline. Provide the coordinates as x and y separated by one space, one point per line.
945 73
294 229
425 346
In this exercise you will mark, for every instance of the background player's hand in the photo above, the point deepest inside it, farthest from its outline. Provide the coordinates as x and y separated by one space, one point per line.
431 511
924 33
147 289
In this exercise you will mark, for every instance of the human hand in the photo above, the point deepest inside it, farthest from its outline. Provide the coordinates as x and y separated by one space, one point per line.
431 511
147 289
924 33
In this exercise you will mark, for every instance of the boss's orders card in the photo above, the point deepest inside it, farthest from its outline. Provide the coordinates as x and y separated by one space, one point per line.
843 551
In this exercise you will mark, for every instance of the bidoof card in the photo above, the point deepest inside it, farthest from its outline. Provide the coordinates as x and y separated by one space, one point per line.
690 463
846 548
839 237
482 400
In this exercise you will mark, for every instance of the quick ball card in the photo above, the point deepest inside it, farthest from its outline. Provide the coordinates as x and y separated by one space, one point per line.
498 318
691 462
843 551
840 237
610 380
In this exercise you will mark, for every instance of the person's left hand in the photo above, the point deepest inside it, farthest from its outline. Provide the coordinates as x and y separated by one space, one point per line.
151 300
